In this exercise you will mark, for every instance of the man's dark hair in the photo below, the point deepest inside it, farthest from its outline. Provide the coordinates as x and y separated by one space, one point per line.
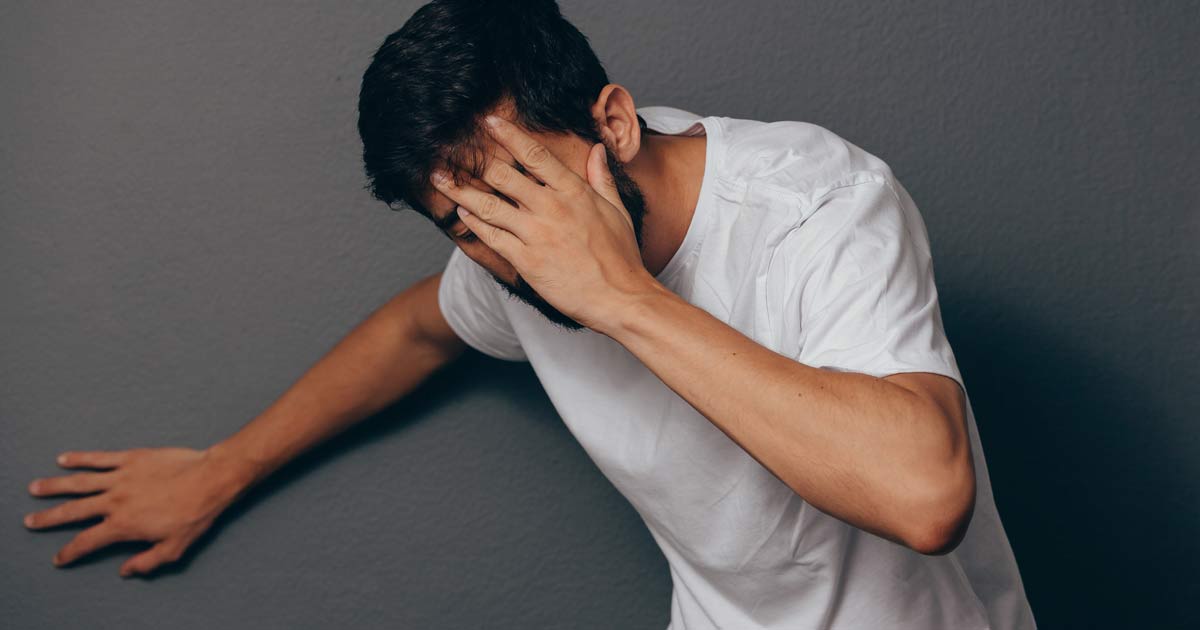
428 86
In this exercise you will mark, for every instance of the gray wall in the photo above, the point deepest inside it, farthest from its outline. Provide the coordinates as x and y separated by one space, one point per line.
183 230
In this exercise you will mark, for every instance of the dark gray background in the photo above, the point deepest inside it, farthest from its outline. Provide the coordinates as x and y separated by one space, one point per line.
184 231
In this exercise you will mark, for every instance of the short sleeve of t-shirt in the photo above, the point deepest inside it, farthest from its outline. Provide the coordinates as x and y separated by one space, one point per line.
868 301
473 305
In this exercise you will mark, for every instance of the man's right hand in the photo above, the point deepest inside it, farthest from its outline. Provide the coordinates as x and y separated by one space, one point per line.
167 496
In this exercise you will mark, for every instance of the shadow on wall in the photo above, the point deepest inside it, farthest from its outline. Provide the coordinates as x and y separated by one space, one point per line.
1100 522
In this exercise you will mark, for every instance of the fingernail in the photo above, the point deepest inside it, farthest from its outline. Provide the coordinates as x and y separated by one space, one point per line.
57 560
462 212
34 485
28 520
62 459
492 120
439 176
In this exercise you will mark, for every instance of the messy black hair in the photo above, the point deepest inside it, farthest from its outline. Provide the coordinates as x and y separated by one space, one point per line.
428 86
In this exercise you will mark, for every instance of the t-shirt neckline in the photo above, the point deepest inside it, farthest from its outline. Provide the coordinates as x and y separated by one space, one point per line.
695 232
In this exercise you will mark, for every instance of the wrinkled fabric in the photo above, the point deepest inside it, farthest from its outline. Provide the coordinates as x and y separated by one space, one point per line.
809 246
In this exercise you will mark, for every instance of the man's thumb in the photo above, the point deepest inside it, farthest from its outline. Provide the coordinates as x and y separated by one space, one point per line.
600 177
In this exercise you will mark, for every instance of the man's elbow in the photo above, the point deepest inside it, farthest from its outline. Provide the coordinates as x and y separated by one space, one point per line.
940 525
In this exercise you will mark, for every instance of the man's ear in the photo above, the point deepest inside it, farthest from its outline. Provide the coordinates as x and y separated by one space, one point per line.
616 117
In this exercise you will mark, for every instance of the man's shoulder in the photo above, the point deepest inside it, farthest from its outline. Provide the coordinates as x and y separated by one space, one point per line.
789 173
802 158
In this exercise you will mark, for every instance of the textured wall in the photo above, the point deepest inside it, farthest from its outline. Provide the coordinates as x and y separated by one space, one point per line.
183 230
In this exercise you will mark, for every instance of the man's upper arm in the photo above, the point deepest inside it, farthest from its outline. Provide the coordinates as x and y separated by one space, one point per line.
428 321
474 307
868 301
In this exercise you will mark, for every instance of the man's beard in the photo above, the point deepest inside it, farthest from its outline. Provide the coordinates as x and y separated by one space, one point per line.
631 197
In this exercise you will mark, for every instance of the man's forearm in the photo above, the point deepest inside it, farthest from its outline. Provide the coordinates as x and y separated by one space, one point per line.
858 447
380 360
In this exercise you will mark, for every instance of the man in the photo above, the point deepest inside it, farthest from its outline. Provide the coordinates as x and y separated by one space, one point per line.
737 319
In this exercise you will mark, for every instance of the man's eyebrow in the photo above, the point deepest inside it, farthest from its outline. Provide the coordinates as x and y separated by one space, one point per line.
451 217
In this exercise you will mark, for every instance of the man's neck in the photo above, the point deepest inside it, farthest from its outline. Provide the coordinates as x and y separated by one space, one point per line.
669 171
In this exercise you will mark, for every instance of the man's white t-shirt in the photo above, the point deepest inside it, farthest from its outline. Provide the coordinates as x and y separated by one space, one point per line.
809 245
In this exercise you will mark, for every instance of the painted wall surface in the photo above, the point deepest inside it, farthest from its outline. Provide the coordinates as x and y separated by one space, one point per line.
184 230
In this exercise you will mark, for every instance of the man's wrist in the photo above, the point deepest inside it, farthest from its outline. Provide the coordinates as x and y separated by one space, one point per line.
634 306
235 470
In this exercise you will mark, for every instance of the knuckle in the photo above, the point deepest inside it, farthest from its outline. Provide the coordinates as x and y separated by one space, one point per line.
105 503
117 523
125 527
490 206
114 505
62 515
500 240
50 517
73 483
536 155
501 177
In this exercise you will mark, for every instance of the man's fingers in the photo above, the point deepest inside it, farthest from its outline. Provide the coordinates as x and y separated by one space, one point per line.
512 183
486 206
500 240
600 177
87 541
69 512
78 483
163 552
533 155
92 459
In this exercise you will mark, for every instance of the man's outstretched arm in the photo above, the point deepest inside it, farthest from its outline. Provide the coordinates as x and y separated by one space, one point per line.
383 358
170 496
